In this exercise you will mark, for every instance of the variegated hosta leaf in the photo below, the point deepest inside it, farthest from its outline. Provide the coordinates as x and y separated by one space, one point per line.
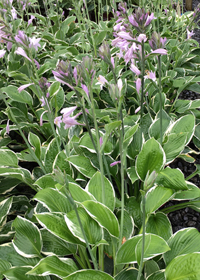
96 189
103 215
20 273
87 274
52 265
27 240
5 206
93 231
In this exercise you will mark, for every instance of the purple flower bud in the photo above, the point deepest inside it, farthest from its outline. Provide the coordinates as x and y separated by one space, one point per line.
115 163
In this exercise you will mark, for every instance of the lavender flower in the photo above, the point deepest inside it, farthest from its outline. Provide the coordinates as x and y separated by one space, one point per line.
7 127
20 51
24 86
85 88
14 13
189 34
31 20
156 41
43 101
58 121
134 69
150 75
115 163
34 43
101 81
64 73
2 53
22 38
140 20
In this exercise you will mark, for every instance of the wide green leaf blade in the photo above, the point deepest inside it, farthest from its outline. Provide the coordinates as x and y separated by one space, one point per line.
95 188
93 231
184 124
28 240
172 178
103 215
5 206
50 155
184 267
87 274
52 265
158 275
83 165
35 142
8 253
151 157
8 158
86 142
54 200
193 192
4 266
19 273
184 241
13 93
156 197
154 246
79 194
21 174
55 245
174 146
128 274
130 251
55 223
159 224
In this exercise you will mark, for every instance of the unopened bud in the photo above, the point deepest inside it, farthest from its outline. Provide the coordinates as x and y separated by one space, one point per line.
149 180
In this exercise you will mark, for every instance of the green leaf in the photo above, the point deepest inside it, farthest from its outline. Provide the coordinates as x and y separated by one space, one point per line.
91 228
79 194
103 215
193 192
129 136
95 188
45 181
156 197
151 157
174 146
50 198
154 245
58 99
55 223
86 142
8 253
128 274
27 240
159 224
184 241
99 37
86 274
55 245
34 140
83 165
128 224
151 267
184 267
13 93
52 265
8 158
158 275
19 273
154 130
172 178
4 266
184 124
19 173
61 163
50 155
132 174
5 206
133 208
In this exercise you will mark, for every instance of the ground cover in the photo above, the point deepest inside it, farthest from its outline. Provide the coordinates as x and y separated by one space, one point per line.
92 126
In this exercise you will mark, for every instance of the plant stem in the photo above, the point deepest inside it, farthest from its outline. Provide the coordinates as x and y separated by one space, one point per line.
143 236
160 93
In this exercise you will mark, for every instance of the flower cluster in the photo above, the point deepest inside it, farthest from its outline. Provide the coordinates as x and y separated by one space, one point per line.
66 119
